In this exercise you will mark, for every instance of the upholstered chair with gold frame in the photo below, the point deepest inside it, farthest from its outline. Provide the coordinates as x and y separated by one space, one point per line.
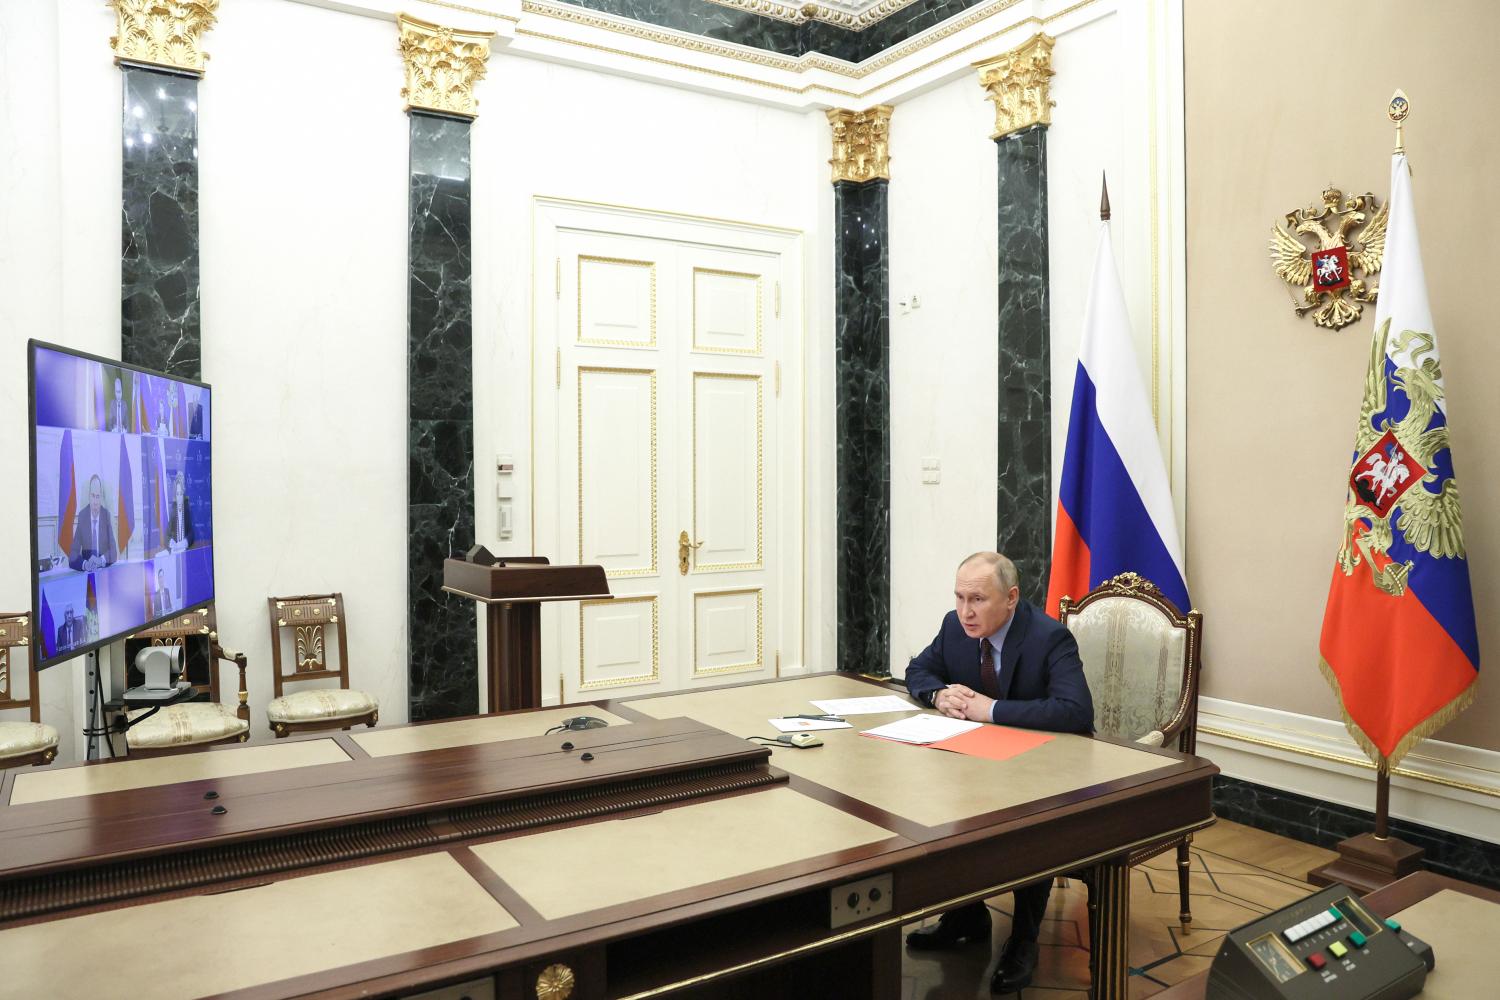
306 625
1141 657
191 725
28 742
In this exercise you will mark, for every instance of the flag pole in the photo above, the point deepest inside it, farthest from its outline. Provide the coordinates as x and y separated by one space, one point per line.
1369 861
1397 110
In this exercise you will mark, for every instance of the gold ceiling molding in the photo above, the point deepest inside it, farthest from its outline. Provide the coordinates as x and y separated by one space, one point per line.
759 57
1019 82
800 13
166 33
442 66
861 144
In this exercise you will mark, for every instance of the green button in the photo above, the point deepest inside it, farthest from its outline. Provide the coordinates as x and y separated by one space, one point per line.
1337 949
1393 923
1357 939
1336 914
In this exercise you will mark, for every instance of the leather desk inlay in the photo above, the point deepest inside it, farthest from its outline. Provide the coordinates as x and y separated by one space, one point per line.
470 732
926 786
253 936
116 776
577 869
1462 930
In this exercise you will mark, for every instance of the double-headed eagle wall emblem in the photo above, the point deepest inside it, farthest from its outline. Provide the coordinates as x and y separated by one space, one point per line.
1332 276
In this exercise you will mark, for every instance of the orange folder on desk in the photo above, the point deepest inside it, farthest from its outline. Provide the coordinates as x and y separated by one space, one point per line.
994 742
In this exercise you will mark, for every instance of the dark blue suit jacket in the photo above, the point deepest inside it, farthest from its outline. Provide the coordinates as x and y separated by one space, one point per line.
1041 676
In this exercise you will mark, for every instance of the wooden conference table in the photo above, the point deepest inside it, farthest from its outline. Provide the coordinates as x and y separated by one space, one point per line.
662 855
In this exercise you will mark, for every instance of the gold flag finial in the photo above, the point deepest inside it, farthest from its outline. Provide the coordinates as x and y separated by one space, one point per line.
1397 111
1103 196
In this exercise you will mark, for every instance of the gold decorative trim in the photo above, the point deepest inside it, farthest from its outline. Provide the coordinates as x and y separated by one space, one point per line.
760 475
744 53
924 912
443 65
1019 82
555 982
651 264
166 33
802 13
614 682
759 347
861 144
1360 762
651 374
760 633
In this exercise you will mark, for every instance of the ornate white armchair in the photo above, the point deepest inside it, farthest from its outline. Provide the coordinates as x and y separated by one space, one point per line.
1141 657
29 741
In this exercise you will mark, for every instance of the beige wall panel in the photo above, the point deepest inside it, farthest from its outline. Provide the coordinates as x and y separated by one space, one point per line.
1277 107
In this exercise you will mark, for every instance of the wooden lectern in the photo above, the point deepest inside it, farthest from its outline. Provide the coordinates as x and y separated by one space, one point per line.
513 588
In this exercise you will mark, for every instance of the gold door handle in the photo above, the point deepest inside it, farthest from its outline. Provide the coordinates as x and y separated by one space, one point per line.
684 549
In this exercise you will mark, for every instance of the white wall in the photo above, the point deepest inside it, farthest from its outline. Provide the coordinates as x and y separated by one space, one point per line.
303 172
547 129
943 249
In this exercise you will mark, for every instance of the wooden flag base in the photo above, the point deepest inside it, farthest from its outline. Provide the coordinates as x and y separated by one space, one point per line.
1367 862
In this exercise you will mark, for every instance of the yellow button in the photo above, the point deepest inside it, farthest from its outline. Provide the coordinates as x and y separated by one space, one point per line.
1337 949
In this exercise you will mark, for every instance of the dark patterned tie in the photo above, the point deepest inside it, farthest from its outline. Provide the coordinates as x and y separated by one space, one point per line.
988 680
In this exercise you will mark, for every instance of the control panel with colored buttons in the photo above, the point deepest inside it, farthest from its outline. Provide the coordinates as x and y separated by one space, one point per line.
1325 946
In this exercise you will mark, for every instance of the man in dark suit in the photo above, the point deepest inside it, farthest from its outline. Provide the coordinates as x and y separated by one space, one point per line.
68 632
1000 659
179 517
93 538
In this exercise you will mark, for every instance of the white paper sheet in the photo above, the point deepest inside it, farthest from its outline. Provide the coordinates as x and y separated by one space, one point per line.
923 729
806 725
866 706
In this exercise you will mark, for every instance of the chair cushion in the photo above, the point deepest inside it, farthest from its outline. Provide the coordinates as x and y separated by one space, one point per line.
326 703
1133 657
184 725
19 739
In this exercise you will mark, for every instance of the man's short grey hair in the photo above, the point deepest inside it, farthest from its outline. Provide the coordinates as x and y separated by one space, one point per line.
1005 570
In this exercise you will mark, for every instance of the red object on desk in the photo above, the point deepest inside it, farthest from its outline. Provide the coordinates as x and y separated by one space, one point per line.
994 742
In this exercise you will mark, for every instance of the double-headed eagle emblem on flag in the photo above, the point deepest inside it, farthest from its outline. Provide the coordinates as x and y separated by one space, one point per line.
1328 274
1396 460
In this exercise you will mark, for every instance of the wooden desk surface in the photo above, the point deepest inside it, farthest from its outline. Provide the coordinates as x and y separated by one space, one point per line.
761 857
1421 901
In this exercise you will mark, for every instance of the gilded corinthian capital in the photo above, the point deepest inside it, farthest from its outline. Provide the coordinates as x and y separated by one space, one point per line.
861 144
1019 82
163 32
442 66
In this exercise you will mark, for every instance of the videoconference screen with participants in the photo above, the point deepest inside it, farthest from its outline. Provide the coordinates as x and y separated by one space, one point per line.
122 500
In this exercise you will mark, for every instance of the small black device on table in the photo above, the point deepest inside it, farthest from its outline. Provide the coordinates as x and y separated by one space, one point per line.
1325 946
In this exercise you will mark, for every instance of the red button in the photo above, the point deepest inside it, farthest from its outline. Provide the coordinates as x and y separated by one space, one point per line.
1316 960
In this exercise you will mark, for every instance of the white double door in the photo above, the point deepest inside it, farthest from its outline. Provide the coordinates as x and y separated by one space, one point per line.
665 386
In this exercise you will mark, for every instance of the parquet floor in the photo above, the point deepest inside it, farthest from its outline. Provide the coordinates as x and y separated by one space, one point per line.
1238 873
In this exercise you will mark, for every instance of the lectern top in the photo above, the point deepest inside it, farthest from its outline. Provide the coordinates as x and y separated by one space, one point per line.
526 579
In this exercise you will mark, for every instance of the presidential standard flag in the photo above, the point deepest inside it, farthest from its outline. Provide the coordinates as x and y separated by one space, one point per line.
1399 644
1114 507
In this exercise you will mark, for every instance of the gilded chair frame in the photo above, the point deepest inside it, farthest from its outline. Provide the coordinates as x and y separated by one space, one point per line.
15 634
303 619
175 631
1180 732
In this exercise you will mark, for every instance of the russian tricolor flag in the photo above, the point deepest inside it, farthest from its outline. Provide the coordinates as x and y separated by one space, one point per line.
1114 507
1400 644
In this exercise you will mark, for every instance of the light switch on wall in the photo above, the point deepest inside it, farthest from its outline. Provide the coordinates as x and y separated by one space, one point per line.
932 471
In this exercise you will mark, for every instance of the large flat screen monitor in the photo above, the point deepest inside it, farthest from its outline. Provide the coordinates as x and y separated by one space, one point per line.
122 524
